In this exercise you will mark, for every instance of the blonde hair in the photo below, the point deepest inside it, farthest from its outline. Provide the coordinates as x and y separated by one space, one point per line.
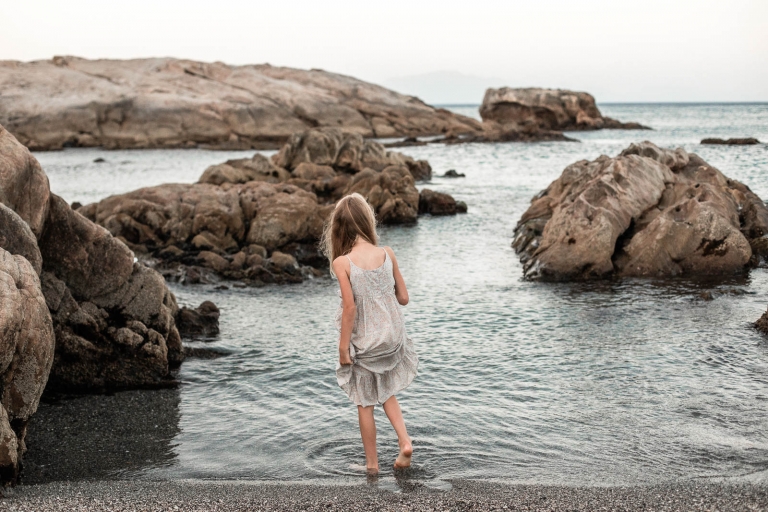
352 218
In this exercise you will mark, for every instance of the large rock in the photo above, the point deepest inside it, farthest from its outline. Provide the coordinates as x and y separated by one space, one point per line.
26 354
647 212
113 318
214 227
546 109
164 102
242 214
344 152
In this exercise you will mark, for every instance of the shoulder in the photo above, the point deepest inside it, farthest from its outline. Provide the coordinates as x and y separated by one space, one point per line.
390 252
340 263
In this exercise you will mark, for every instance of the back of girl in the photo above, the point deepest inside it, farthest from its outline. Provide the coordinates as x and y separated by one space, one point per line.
376 357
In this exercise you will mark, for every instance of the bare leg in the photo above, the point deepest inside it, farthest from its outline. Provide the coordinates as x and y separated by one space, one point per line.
368 433
395 415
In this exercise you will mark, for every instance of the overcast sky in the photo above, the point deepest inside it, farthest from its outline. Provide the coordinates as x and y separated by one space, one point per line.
655 50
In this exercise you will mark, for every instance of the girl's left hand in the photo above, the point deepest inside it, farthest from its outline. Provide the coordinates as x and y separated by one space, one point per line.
344 358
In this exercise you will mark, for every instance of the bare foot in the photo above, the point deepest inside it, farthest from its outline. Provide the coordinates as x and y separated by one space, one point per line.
404 458
372 471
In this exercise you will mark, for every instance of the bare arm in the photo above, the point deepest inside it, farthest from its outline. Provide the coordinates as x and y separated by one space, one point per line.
349 310
401 292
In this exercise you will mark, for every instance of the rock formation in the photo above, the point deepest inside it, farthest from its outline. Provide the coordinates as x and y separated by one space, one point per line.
258 220
202 320
164 102
113 318
533 110
26 352
748 141
647 212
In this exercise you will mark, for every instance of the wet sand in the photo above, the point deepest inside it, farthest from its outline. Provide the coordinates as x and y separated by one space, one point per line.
466 495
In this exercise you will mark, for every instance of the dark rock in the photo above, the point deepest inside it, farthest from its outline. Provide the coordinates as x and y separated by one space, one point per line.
99 160
202 320
437 203
76 205
113 319
732 142
451 173
203 353
405 143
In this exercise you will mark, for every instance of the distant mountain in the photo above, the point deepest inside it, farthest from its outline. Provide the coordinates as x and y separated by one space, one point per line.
444 87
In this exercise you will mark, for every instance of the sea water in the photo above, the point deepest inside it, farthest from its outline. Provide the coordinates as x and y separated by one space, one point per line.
611 382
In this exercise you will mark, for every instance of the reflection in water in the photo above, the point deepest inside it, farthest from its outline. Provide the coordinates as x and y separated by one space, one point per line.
101 436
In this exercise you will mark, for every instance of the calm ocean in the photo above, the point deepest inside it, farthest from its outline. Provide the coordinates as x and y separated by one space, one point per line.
615 382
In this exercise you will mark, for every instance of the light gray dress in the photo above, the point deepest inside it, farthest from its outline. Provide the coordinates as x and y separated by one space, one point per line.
384 361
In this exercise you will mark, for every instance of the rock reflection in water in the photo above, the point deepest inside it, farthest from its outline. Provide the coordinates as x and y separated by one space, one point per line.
101 436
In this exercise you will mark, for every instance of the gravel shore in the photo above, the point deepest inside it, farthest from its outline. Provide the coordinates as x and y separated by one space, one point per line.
462 495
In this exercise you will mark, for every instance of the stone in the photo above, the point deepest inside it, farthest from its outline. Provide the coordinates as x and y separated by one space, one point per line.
748 141
17 237
647 212
165 102
257 168
546 109
344 152
436 203
230 216
391 193
26 353
90 285
451 173
24 187
202 320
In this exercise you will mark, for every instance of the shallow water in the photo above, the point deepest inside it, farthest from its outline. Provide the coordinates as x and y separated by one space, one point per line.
614 382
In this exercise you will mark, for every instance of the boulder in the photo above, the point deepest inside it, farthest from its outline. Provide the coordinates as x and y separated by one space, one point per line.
200 321
344 152
438 203
198 232
113 319
748 141
546 109
243 170
647 212
391 193
165 102
26 353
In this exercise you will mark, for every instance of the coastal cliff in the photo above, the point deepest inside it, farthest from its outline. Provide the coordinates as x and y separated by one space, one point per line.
166 102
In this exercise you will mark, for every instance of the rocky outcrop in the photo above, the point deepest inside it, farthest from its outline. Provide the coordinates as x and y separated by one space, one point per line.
345 152
532 110
26 354
113 318
164 102
748 141
200 321
647 212
439 203
259 220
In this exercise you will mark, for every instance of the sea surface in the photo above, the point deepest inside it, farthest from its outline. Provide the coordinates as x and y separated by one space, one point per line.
616 382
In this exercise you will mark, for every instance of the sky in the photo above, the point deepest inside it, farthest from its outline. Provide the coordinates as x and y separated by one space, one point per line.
443 51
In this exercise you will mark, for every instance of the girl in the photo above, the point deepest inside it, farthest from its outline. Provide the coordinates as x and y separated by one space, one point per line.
376 358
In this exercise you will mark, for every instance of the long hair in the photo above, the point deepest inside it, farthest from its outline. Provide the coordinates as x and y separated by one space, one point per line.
352 218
